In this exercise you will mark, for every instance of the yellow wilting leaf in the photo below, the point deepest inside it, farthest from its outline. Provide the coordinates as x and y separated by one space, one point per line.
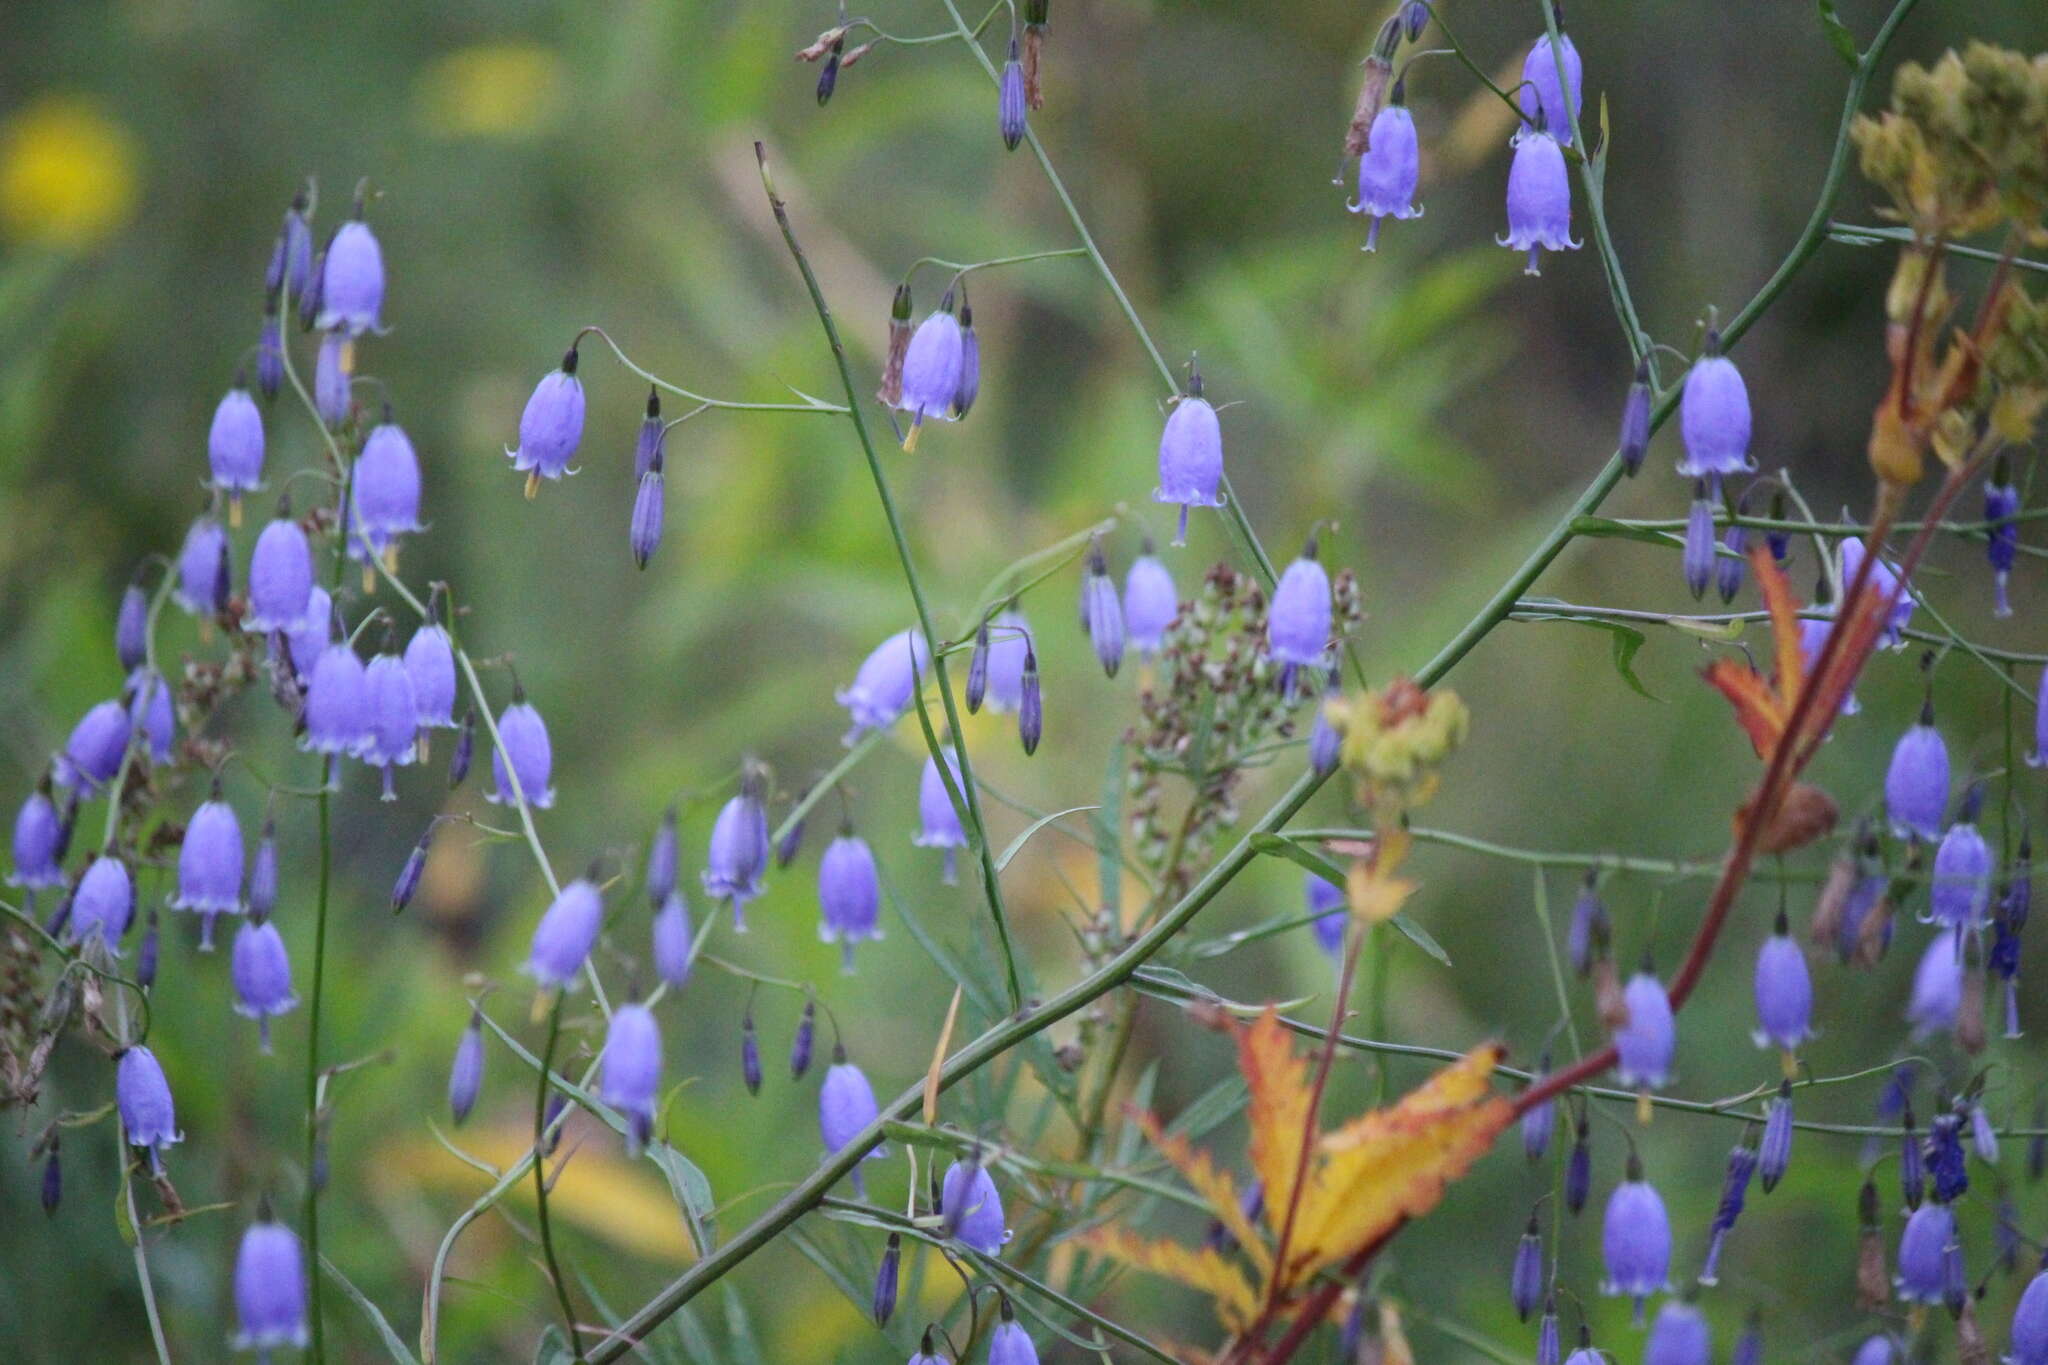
1375 896
1278 1112
1203 1269
931 1075
1212 1184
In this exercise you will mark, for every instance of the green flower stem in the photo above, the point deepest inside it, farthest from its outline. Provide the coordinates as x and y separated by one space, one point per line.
540 1176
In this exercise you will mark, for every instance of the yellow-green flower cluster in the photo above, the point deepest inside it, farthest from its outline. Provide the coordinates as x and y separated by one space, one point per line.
1965 144
1395 740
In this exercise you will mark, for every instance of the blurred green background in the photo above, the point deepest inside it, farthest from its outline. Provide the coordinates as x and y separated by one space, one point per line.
541 166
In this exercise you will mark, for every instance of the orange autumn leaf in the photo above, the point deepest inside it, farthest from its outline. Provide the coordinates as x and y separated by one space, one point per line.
1203 1269
1278 1112
1209 1181
1765 709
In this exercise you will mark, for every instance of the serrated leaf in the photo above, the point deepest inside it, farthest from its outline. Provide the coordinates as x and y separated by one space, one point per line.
1839 37
1017 844
1202 1269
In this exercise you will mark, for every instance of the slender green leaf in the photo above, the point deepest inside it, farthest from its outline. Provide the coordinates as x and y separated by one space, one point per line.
1839 37
392 1343
690 1188
553 1348
742 1346
1017 844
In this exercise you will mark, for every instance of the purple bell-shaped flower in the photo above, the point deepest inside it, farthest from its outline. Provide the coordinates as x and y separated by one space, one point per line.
387 493
973 1208
631 1071
1916 783
38 831
280 576
888 678
1937 996
1009 642
337 714
262 973
352 281
234 448
1190 455
551 426
93 753
430 663
202 587
1885 581
2030 1324
522 735
1150 603
1713 416
152 714
1388 170
1635 1240
671 941
143 1098
1784 991
1540 93
1645 1044
1325 900
1679 1336
1010 1344
270 1288
566 932
846 1106
394 718
304 645
1924 1254
1298 619
210 866
332 376
1539 201
931 370
1961 889
103 905
738 856
849 894
938 822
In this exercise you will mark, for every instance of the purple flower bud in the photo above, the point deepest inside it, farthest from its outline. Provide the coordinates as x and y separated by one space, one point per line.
1923 1254
1540 1119
1009 1344
974 1209
1030 706
210 866
1541 93
1578 1170
970 363
652 436
1698 559
1645 1043
1876 1350
337 711
750 1054
234 446
262 973
643 532
551 427
563 938
672 935
291 259
931 370
1525 1282
104 903
1634 441
465 749
1636 1240
430 663
1190 456
1387 171
387 492
263 875
1325 901
1713 417
203 569
1729 565
846 1106
1776 1154
151 714
1586 938
977 671
1539 201
523 735
631 1081
888 678
1885 581
269 353
332 373
1946 1164
352 281
1937 985
1102 613
1325 744
146 955
37 832
1150 603
394 718
1916 784
828 73
53 1180
2004 959
1679 1336
143 1097
466 1075
92 755
1549 1349
1009 643
664 859
1983 1136
1784 992
1010 101
309 302
1749 1347
1414 19
1961 890
131 629
1742 1163
738 857
280 577
886 1275
1298 621
270 1288
800 1045
2001 503
939 822
315 633
2030 1324
792 841
849 895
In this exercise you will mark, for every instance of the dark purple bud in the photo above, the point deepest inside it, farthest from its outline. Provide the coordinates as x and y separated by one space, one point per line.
1414 19
1783 990
849 895
551 427
1578 1170
143 1098
2001 504
886 1276
1010 101
644 533
352 281
1923 1259
931 370
465 749
332 373
263 873
1779 540
977 670
652 436
750 1054
522 735
146 955
291 259
631 1071
1634 441
1713 416
1031 706
269 354
664 858
466 1075
1947 1165
1541 97
1912 1165
1104 614
408 883
270 1288
887 681
1190 455
1150 603
1525 1282
1679 1336
1776 1154
806 1036
309 302
792 841
970 363
1698 558
1730 564
1749 1347
131 629
1742 1163
1539 200
551 1123
828 74
53 1181
1540 1119
262 975
1586 939
1635 1240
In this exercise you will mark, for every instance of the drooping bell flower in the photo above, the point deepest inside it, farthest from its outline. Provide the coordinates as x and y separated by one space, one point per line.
1010 1344
643 530
1924 1253
337 714
1010 100
1646 1042
1009 641
1775 1155
1102 613
2001 504
1549 1345
234 448
631 1071
849 894
523 735
970 362
92 754
890 393
1961 890
738 857
938 822
1539 201
1784 991
1713 416
672 935
270 1288
1190 454
1525 1281
1634 441
551 426
846 1106
1326 902
1885 582
104 904
1742 1163
263 872
291 258
1030 706
653 436
280 576
931 370
466 1074
1325 744
1937 996
1698 559
1539 1120
888 678
143 1098
802 1041
203 569
394 719
152 715
973 1208
1298 620
1389 168
1578 1168
38 829
1635 1240
566 932
131 628
332 376
1679 1336
2030 1324
210 865
1150 603
352 281
262 973
430 663
1541 94
1916 783
304 645
386 493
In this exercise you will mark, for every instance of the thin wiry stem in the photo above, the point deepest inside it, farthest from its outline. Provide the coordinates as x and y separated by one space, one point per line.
540 1176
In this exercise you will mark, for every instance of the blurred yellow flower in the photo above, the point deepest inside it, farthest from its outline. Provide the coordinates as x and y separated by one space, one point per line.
505 90
67 173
